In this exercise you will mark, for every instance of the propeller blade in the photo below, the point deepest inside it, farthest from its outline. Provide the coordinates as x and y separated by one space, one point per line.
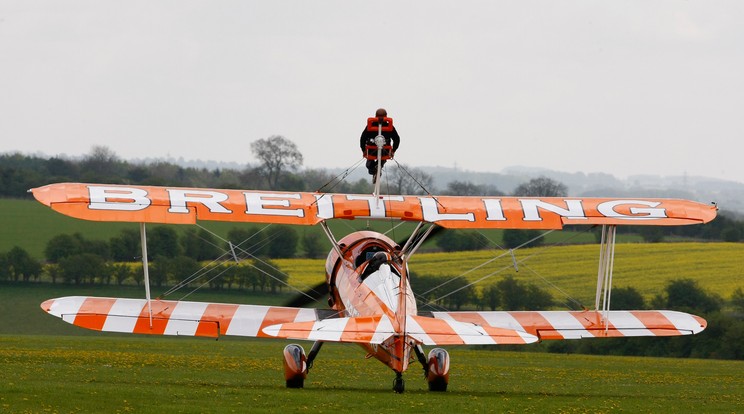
309 296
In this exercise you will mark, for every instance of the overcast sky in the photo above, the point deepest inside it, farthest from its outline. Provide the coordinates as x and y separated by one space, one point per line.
624 87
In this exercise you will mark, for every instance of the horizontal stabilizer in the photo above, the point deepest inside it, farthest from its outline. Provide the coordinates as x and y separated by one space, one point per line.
585 324
173 317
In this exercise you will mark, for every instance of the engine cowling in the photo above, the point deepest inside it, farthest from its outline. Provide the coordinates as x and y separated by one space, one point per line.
438 373
295 366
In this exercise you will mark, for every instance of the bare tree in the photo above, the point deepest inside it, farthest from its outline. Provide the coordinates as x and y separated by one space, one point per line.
405 180
277 154
541 187
466 188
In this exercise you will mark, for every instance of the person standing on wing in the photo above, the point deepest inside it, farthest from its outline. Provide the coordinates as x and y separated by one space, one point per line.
367 140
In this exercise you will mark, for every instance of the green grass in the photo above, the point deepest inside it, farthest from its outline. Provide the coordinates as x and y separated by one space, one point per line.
141 374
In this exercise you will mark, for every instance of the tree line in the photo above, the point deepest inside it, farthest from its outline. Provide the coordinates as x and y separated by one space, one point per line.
195 257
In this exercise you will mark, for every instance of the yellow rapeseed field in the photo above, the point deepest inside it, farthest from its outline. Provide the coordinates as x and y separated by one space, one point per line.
572 270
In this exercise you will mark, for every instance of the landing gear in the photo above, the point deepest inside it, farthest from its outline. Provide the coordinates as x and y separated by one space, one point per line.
438 370
436 367
297 364
398 384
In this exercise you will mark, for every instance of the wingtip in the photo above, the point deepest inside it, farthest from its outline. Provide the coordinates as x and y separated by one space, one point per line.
703 324
46 306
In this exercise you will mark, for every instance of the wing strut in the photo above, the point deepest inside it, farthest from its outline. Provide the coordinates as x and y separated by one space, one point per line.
143 237
332 239
604 273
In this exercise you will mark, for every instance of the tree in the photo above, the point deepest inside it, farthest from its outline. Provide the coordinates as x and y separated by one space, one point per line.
457 241
541 187
125 247
491 297
685 295
651 234
516 295
283 242
737 300
200 245
162 241
466 188
277 155
182 268
63 245
626 298
21 265
405 180
102 164
268 275
513 238
82 268
248 240
161 270
459 292
121 272
312 244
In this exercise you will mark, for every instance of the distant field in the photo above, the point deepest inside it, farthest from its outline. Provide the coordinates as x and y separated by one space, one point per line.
717 267
110 373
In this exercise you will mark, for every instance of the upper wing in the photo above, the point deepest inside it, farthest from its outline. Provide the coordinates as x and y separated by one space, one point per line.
186 205
585 324
174 317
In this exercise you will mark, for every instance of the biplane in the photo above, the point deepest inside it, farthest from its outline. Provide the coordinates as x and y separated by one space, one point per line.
371 302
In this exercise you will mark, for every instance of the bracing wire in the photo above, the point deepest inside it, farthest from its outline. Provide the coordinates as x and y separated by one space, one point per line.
202 272
338 180
520 262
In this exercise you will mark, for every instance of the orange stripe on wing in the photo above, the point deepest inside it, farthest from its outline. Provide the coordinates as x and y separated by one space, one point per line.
536 324
360 329
93 313
222 314
440 331
161 311
657 323
276 316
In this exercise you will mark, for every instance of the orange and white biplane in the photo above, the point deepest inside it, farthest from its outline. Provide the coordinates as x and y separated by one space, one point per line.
371 301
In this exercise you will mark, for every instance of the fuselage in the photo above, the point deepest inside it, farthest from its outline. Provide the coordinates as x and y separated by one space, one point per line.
366 281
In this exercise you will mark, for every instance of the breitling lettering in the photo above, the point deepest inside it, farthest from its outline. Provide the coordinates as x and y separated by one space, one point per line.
117 198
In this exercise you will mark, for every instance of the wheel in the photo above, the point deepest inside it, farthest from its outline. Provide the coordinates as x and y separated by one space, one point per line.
399 385
296 383
438 385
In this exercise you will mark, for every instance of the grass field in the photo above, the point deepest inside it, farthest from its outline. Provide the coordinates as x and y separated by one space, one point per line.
136 374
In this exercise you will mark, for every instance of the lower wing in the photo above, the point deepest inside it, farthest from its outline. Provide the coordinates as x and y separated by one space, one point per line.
585 324
175 317
378 328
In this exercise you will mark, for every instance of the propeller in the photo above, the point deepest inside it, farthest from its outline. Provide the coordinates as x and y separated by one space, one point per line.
309 296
